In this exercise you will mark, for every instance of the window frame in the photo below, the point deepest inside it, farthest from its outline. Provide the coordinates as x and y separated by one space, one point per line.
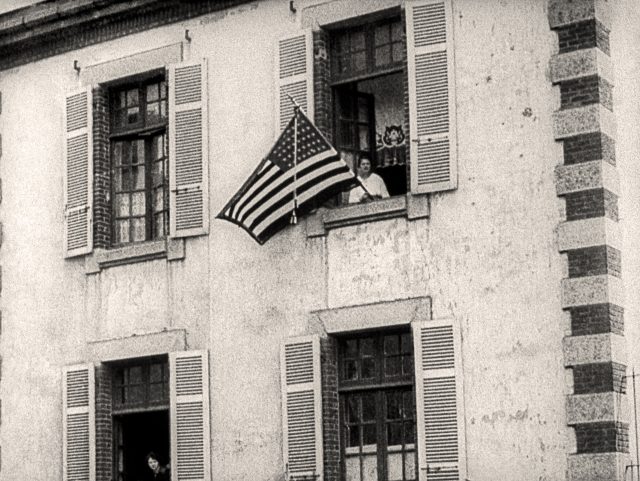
140 131
120 408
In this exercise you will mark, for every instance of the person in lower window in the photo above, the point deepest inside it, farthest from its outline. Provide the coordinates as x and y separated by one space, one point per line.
373 183
158 472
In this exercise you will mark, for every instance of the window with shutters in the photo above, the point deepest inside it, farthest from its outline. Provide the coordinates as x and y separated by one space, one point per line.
368 79
377 407
139 161
140 414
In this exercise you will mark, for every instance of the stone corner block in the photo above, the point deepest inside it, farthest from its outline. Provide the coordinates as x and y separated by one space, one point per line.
581 63
596 348
597 231
583 120
417 206
596 466
566 12
591 408
602 289
585 176
315 224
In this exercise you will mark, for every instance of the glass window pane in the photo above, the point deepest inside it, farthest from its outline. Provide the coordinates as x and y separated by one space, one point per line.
122 205
382 56
158 200
382 34
397 52
363 110
409 432
139 229
153 112
364 137
359 61
157 174
163 89
367 346
155 392
392 366
350 370
393 405
134 394
152 92
133 115
368 407
138 203
117 152
132 97
394 434
155 373
122 231
406 342
391 344
157 150
137 177
369 434
407 364
409 466
394 467
370 468
117 180
357 40
368 368
134 374
396 31
353 436
163 109
353 409
137 152
352 468
159 226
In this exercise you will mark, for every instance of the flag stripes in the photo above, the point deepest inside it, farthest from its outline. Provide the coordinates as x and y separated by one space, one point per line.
265 203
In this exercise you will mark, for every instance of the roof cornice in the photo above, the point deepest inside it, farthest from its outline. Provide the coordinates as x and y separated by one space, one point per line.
54 27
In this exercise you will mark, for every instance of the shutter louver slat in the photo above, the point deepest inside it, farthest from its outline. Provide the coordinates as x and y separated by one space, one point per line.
78 423
439 399
431 95
294 77
302 407
78 173
188 150
190 415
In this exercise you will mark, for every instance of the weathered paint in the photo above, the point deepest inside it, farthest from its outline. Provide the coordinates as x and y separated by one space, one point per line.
487 254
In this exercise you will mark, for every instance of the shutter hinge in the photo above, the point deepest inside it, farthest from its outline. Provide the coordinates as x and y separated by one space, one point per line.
186 189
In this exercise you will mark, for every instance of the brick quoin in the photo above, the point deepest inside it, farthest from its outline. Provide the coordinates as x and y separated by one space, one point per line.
602 437
599 377
581 35
596 319
101 169
593 261
330 408
591 203
104 426
322 101
586 91
588 147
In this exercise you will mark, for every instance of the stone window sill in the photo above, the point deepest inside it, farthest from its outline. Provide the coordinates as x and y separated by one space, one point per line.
410 206
170 249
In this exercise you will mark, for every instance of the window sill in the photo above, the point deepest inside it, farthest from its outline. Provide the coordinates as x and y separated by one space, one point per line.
410 206
170 249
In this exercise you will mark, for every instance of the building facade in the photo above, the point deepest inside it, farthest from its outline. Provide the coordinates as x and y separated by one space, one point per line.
478 324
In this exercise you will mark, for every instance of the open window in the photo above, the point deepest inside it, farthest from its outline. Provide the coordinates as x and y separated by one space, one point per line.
368 79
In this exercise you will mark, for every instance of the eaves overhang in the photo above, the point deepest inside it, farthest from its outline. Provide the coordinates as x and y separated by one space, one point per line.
54 27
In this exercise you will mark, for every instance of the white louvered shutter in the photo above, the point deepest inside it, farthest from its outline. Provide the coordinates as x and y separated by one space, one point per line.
431 95
78 173
302 407
188 149
189 380
294 77
439 401
78 423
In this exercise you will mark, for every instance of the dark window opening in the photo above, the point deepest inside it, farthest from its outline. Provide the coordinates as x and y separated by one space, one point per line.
368 82
135 435
377 408
139 166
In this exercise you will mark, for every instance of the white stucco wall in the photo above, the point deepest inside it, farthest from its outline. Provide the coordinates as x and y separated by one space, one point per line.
486 255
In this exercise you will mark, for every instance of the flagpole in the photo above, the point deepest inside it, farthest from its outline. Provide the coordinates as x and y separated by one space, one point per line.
294 216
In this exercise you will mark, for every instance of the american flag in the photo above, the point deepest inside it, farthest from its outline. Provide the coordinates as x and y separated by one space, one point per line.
265 203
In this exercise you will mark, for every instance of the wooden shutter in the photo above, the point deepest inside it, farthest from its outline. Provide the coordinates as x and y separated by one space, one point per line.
431 95
439 401
188 149
78 173
294 77
302 407
78 423
189 380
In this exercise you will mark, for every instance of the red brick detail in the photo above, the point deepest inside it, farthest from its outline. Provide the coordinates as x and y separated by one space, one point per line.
588 147
603 437
330 409
581 35
593 261
104 424
322 101
596 319
599 377
101 169
591 203
586 91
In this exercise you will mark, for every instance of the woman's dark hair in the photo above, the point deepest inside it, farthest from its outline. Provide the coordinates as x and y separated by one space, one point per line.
151 455
363 157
